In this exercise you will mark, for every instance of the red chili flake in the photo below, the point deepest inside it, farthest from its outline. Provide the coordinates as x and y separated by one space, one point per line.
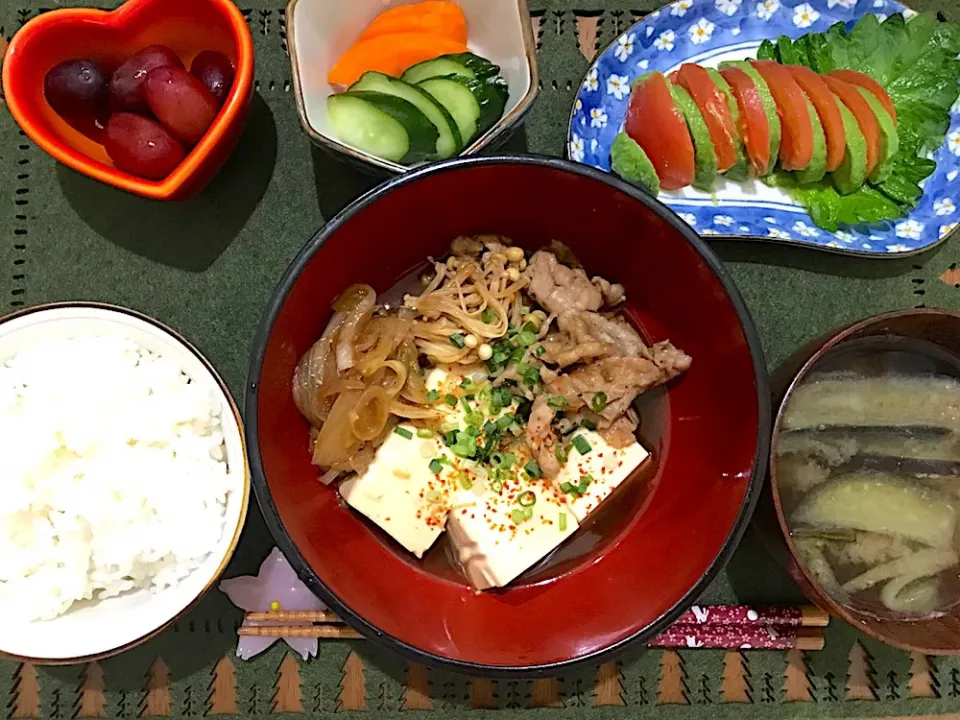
472 516
386 519
463 511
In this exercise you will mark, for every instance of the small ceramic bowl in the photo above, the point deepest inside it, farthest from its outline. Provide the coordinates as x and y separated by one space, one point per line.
111 626
186 26
668 538
319 32
939 636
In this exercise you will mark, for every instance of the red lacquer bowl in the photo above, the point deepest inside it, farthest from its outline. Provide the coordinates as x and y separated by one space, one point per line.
670 537
186 26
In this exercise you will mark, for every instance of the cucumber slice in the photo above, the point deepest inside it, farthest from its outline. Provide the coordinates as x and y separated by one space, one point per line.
769 106
449 142
741 167
705 157
438 67
383 125
492 97
889 139
849 177
817 168
459 101
629 161
481 67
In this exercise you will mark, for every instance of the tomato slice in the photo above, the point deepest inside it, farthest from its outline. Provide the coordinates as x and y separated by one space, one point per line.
754 128
860 108
868 83
825 103
656 125
796 146
713 106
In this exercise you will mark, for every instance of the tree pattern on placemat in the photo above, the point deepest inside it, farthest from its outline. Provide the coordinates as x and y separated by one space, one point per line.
609 689
673 679
91 702
416 695
923 677
736 678
156 698
796 678
25 700
861 683
222 691
353 685
545 693
288 696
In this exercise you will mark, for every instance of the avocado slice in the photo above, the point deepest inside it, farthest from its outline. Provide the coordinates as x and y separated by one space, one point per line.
740 169
769 106
849 177
817 168
705 157
629 161
889 139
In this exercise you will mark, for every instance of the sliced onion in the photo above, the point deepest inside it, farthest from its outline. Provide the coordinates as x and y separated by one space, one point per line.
369 414
357 303
329 476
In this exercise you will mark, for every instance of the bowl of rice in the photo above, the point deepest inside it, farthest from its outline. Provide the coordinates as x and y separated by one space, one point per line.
124 480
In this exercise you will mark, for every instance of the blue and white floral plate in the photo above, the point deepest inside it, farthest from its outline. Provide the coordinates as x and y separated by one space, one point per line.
708 32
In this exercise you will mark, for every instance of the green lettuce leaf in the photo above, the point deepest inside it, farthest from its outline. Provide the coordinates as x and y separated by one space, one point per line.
916 62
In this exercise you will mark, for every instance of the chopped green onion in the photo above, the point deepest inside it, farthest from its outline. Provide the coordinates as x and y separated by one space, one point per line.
474 418
435 466
531 376
467 384
489 427
557 402
433 496
568 488
488 316
526 338
527 499
508 460
524 310
532 469
433 396
516 430
425 433
563 522
517 355
582 446
450 400
540 351
588 424
517 516
527 513
505 421
472 431
585 482
403 432
500 397
465 482
560 453
458 339
599 402
511 330
496 485
450 437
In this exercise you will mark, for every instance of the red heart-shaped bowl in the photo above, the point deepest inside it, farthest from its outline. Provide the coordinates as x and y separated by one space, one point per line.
186 26
631 575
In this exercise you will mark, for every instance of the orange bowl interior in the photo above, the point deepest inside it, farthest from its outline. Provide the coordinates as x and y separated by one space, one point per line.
109 38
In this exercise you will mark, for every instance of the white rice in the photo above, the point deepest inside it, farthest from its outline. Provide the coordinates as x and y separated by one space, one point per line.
112 474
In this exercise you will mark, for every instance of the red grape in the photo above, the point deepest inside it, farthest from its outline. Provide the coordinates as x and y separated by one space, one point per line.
127 82
214 70
75 86
140 146
181 103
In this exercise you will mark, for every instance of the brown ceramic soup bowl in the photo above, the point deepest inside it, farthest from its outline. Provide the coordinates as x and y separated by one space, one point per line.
934 636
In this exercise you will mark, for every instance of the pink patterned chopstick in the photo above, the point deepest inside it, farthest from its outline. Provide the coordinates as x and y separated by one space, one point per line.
740 637
803 616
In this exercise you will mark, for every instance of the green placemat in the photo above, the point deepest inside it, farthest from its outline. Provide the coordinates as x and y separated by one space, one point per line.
207 266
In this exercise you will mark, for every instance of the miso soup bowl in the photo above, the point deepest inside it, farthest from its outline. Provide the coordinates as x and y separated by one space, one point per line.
667 539
939 636
319 32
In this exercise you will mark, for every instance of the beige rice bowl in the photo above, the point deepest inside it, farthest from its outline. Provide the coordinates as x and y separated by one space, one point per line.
123 485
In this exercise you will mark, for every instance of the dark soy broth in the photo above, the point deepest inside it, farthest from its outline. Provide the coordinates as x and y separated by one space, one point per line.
855 450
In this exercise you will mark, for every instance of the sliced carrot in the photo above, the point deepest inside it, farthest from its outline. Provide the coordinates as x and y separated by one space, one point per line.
868 83
655 124
796 145
861 110
390 54
754 126
713 106
434 17
825 103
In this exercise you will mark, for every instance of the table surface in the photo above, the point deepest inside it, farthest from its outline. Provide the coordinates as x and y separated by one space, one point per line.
207 266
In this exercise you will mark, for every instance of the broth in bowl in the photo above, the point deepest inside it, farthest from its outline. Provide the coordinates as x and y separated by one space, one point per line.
868 466
495 402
